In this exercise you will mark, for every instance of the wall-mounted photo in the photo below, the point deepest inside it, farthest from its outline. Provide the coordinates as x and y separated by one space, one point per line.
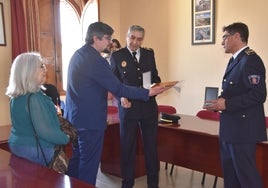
2 26
203 23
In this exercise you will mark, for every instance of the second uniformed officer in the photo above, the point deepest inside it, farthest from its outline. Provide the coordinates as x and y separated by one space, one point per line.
242 121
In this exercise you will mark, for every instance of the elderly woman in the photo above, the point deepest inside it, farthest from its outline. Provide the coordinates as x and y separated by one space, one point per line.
32 112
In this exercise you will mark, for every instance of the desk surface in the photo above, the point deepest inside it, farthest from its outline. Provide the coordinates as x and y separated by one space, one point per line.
4 133
194 144
186 123
177 144
16 172
194 123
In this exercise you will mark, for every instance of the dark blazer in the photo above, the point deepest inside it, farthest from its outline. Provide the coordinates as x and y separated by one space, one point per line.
244 89
130 73
89 80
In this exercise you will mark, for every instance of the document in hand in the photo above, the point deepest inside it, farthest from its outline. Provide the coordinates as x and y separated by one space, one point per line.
165 84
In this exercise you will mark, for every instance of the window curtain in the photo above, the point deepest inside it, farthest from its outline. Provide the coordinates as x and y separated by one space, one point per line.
25 26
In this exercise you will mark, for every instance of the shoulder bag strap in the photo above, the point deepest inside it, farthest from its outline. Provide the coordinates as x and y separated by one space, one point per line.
35 134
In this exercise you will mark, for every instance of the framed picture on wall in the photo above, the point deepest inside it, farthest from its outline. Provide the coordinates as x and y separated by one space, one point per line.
203 22
2 26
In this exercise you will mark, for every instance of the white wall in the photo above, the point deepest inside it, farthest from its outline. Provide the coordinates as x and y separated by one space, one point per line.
168 31
204 65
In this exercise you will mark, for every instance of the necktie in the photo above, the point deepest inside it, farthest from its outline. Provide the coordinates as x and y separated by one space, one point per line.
134 57
230 61
229 66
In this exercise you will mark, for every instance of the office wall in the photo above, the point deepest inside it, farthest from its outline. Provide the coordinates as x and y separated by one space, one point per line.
5 63
168 32
201 66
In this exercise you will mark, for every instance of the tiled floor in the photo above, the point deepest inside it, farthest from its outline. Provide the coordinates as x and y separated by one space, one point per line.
181 178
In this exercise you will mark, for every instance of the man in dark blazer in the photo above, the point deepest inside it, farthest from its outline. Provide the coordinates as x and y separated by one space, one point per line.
242 121
137 115
89 80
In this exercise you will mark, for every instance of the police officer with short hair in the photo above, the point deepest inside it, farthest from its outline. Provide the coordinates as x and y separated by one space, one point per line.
129 64
242 121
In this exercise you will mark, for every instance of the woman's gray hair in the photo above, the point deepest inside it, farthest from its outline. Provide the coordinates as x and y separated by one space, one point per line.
24 74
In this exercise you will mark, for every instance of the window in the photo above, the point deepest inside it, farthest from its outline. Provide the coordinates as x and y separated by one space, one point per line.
73 30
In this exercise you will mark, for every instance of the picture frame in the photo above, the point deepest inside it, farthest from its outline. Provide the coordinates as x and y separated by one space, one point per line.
2 26
203 22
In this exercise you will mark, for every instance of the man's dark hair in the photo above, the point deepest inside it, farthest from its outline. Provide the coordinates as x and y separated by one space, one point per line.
98 29
240 28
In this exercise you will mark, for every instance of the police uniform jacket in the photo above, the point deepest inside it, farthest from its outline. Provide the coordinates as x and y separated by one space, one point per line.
244 89
130 73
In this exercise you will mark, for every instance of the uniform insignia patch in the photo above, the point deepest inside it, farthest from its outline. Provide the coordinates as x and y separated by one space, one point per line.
250 52
124 64
254 79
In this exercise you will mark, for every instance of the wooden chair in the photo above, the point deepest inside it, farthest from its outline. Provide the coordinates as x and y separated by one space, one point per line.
171 110
215 116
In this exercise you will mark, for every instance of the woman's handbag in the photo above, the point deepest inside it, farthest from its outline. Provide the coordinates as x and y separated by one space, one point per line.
59 161
68 129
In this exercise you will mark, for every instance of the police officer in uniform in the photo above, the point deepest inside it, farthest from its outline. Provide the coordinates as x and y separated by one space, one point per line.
129 64
242 121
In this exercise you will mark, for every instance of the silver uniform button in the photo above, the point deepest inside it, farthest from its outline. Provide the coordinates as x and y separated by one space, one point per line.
243 115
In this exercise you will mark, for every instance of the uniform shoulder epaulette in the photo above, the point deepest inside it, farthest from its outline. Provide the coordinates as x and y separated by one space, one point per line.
250 52
150 49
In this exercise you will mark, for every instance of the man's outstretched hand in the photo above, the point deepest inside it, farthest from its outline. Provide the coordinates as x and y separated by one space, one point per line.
158 90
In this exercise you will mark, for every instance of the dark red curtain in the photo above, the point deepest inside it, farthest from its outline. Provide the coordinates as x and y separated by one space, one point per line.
18 28
25 24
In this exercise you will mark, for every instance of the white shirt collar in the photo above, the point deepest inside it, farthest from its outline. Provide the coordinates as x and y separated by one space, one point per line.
138 52
236 53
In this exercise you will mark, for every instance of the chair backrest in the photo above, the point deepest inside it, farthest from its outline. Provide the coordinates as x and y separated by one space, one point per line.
167 109
112 109
210 115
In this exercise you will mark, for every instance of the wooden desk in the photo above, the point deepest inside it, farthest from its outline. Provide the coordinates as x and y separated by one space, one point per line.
194 144
110 160
18 172
4 134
